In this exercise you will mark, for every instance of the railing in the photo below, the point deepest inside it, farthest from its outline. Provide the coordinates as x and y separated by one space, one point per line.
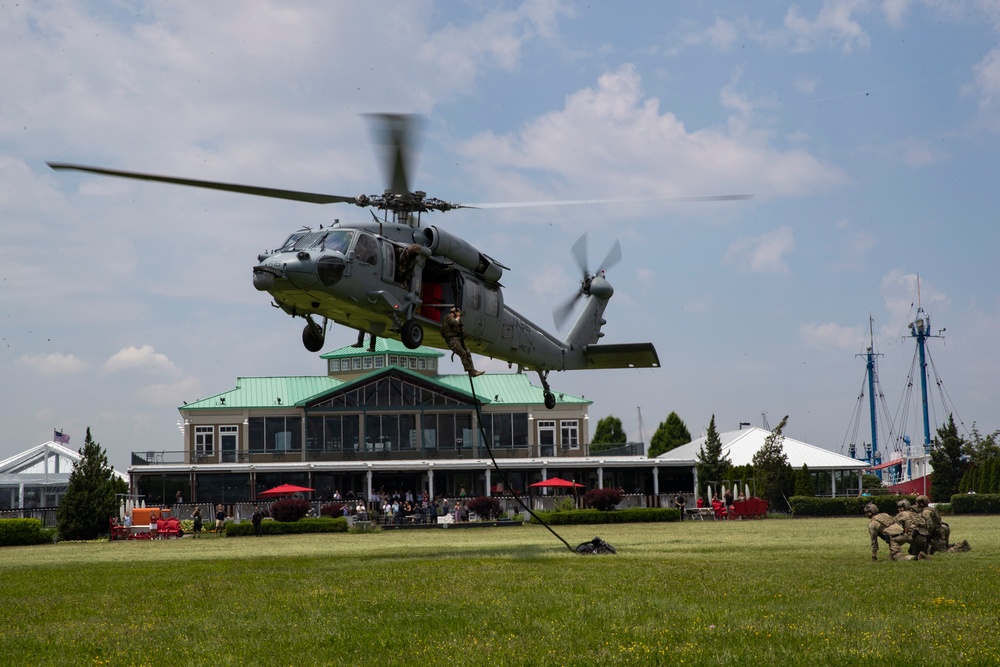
47 515
184 457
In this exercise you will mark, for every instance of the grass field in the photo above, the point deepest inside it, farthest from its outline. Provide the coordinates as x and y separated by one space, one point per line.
773 592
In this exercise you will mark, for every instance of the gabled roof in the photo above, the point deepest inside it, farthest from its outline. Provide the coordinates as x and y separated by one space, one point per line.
49 460
740 447
263 392
507 389
382 346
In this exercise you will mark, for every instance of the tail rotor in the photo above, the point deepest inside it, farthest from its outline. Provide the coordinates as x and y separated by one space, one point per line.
579 252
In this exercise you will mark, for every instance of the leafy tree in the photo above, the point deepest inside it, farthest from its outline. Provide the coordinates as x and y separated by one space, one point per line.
982 448
604 500
669 434
946 459
710 464
609 431
771 468
870 482
804 482
89 501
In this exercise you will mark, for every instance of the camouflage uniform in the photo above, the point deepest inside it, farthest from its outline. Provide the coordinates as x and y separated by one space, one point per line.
914 526
881 525
454 333
938 531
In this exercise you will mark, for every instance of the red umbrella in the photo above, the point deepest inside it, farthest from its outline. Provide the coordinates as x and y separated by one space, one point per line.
283 490
555 483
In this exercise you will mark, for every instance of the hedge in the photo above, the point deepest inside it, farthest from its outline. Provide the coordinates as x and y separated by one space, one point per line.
321 525
975 503
631 515
845 505
19 532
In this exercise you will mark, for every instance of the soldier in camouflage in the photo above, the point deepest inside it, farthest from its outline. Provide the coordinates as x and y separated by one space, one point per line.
938 531
914 526
882 526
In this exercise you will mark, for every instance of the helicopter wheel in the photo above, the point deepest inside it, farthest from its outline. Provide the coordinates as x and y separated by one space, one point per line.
312 337
412 334
550 400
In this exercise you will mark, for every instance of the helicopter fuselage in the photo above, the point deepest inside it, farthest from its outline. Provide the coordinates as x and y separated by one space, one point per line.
360 276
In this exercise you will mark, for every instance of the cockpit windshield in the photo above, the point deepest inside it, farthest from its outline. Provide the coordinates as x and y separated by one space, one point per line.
336 240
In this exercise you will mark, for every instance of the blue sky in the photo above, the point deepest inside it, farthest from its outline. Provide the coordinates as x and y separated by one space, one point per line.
867 131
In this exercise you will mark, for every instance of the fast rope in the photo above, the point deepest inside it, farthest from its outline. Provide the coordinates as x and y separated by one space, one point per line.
503 473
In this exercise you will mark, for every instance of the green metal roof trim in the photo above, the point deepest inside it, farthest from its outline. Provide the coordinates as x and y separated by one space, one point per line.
264 392
415 377
508 389
382 346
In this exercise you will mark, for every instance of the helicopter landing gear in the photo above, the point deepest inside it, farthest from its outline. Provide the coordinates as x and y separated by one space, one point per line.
313 336
550 398
412 334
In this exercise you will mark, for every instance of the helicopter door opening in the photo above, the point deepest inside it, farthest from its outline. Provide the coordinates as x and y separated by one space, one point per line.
480 305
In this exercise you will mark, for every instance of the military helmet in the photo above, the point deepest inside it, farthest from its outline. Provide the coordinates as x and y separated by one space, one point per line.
903 505
923 500
871 509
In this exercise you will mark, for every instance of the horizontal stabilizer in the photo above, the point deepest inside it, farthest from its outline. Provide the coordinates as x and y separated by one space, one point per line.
625 355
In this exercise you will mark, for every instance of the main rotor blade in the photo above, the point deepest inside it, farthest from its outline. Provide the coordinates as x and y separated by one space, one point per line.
579 252
294 195
578 202
397 133
562 311
614 256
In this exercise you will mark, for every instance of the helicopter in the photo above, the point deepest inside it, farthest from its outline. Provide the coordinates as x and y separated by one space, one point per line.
393 276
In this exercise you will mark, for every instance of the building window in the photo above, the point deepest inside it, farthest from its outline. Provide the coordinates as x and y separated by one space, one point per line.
204 440
356 363
413 363
229 442
380 361
546 437
334 365
368 362
393 360
421 364
569 432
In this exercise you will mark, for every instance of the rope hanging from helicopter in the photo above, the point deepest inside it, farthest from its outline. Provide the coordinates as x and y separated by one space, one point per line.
503 473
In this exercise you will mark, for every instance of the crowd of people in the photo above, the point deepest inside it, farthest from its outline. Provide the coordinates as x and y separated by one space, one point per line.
399 507
918 526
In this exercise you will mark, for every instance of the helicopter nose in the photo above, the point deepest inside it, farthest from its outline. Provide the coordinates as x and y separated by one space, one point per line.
263 279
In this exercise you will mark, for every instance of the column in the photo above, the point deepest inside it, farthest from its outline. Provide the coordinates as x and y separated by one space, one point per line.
430 481
600 477
488 483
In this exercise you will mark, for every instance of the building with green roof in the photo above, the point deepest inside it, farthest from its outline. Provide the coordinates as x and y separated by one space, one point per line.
383 418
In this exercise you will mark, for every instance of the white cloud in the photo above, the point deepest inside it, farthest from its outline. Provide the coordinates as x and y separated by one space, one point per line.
834 26
900 294
856 245
141 358
55 363
986 86
832 335
763 254
611 138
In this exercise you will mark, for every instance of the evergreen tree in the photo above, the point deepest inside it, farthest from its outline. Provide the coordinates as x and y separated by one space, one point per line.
609 431
804 485
771 469
89 501
669 434
710 464
946 459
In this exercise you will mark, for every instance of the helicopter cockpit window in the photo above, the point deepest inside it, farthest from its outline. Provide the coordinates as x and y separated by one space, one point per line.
366 250
338 240
290 242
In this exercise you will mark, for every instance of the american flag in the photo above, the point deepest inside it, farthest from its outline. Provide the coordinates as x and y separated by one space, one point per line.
59 436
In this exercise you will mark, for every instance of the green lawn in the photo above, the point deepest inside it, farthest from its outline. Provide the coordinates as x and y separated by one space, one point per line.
773 592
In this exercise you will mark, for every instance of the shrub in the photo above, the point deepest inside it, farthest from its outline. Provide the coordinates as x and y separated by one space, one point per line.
289 509
19 532
802 506
332 509
486 508
604 500
245 528
565 504
975 503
